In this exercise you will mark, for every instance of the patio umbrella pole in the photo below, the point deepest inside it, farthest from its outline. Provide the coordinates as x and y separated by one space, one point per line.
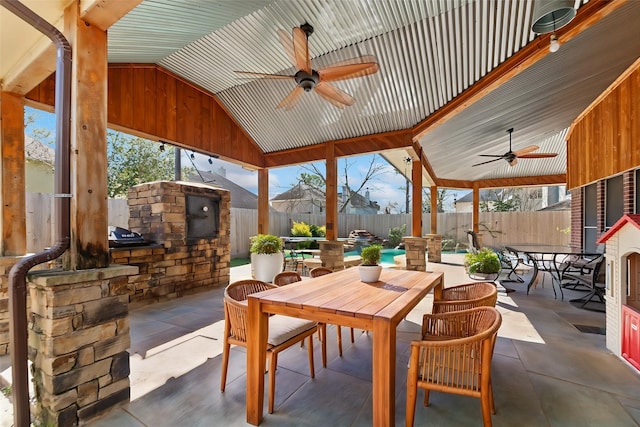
18 274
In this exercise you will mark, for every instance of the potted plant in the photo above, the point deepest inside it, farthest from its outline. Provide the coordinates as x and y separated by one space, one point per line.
370 267
483 264
267 257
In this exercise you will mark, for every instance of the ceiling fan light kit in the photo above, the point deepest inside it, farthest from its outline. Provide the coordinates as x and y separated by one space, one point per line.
307 79
511 157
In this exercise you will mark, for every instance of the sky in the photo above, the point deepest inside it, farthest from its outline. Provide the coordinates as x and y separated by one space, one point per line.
386 190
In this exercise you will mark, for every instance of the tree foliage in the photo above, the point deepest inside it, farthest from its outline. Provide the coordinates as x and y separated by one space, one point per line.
133 161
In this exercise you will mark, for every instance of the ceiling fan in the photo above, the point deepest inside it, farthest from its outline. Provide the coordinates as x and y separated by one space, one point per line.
512 156
308 79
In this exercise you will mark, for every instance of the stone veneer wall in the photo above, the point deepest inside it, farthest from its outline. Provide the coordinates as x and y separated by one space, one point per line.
78 340
175 265
6 263
332 254
415 248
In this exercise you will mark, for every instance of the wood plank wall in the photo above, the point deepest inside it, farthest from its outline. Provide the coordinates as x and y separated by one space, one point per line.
605 140
149 101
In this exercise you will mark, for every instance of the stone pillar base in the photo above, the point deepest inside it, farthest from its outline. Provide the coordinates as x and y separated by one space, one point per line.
434 247
415 248
78 342
332 254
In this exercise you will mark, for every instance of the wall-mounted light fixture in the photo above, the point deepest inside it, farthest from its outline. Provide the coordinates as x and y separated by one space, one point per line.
193 155
162 147
210 160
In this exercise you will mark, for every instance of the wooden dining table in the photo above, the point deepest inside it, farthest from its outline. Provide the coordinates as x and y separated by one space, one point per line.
342 299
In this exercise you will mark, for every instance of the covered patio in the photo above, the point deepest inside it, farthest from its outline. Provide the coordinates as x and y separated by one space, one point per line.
441 85
546 371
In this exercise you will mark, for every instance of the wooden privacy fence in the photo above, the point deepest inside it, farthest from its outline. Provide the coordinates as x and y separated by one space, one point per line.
497 228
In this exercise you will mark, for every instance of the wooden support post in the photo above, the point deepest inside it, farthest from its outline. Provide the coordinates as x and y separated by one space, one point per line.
331 192
12 179
89 245
263 201
434 209
476 206
416 198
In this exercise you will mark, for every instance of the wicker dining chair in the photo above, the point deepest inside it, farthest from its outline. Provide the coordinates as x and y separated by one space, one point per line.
463 297
286 277
284 331
321 271
454 356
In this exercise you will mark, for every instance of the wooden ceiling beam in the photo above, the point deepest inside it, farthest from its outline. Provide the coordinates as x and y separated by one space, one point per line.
104 13
344 147
523 181
586 16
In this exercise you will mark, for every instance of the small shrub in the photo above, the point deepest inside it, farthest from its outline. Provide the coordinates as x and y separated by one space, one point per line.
396 234
300 229
371 255
318 231
265 244
485 261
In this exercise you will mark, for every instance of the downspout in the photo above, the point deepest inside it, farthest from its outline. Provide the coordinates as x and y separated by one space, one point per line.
18 274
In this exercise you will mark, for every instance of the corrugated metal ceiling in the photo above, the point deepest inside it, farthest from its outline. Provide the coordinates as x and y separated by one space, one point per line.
428 51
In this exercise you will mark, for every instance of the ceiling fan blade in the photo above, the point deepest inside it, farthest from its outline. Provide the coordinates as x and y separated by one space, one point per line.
292 99
488 161
347 71
250 74
336 96
525 150
287 44
513 162
491 155
301 49
537 155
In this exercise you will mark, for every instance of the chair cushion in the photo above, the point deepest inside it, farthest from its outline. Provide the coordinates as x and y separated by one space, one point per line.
283 328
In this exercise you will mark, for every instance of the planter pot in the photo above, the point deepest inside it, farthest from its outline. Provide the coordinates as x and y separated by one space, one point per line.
370 273
487 277
265 266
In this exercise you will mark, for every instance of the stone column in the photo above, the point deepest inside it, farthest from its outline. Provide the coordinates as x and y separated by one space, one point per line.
415 248
332 254
434 247
78 342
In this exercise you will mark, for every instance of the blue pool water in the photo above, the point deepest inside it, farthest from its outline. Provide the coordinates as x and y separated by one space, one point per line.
386 255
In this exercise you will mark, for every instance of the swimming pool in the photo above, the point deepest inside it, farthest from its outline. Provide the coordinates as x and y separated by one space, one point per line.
386 255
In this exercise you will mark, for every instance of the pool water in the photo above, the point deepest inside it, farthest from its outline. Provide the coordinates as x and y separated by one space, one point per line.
386 255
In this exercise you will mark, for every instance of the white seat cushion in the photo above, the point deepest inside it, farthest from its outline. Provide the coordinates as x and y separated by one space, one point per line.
283 328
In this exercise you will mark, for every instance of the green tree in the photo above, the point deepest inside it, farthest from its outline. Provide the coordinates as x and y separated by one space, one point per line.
133 161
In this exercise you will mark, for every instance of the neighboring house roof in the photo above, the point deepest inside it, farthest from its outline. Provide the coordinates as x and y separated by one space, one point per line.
37 151
240 197
300 192
485 196
359 201
563 205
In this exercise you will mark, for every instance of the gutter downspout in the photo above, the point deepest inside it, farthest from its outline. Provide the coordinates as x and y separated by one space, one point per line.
18 274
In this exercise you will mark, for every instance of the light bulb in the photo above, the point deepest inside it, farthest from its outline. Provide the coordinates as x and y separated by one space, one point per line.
555 44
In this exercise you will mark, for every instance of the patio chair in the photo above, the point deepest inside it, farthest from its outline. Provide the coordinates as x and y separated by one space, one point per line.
589 278
464 297
579 265
472 239
286 278
321 271
292 261
509 261
284 331
454 356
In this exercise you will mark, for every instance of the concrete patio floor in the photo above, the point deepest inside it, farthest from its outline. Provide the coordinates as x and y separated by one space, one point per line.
546 372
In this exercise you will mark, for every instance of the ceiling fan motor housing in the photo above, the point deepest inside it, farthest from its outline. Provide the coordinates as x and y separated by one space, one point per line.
307 81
